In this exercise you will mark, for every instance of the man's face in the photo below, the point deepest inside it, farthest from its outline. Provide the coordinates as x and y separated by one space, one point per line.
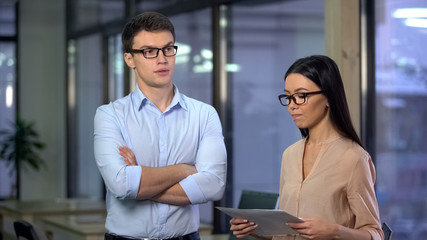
155 72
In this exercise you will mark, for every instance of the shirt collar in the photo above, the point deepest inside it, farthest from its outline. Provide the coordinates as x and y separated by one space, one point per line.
140 99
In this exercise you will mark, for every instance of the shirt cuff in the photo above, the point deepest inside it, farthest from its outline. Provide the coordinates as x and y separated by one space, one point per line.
133 179
191 188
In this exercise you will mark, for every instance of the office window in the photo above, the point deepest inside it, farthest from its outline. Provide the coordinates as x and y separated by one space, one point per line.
85 94
116 67
152 5
401 116
7 89
193 70
7 18
91 14
266 40
168 6
7 109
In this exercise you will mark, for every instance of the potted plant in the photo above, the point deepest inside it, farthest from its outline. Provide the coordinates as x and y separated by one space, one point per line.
20 146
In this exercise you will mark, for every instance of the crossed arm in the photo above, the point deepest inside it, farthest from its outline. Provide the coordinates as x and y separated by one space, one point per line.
170 184
160 184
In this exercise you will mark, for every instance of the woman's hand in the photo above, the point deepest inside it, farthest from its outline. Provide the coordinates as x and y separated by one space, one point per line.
128 155
316 228
242 227
320 229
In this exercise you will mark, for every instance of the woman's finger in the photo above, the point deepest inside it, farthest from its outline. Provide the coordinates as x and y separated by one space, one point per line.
242 227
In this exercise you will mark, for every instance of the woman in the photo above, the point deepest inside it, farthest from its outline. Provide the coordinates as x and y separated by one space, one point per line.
327 178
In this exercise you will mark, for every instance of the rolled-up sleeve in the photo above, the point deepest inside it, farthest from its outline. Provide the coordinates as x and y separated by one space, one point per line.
208 184
121 180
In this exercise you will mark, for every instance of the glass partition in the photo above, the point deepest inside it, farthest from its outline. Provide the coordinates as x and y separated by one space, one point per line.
8 90
401 116
85 94
7 18
91 14
193 70
266 40
8 111
116 66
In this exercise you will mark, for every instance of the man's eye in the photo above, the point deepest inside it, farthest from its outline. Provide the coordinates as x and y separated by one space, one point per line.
149 51
168 49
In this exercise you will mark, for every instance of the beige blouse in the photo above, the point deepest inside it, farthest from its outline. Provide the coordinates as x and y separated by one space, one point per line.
339 187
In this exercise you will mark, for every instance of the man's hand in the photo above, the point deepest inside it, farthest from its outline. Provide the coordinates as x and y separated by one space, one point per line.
128 155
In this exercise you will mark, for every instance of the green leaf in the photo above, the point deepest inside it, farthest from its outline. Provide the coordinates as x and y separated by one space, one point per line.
20 145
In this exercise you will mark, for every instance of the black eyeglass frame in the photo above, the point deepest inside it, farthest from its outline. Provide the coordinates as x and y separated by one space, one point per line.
143 51
291 97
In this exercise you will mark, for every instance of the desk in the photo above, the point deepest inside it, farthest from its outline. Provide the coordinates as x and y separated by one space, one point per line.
224 236
33 211
205 229
72 219
75 227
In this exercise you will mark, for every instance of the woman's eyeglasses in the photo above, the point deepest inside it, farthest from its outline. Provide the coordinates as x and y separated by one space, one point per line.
299 98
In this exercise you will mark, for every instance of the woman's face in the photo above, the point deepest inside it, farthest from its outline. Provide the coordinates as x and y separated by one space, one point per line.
315 108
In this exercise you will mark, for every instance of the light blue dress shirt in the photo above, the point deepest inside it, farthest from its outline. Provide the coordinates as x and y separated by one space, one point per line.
189 132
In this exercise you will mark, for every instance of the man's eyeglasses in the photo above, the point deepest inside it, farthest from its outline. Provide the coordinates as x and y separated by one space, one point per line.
299 98
168 51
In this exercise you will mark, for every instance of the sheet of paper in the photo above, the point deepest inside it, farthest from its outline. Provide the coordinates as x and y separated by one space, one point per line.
270 222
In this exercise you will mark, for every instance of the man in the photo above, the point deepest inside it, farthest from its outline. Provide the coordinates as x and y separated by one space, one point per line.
159 152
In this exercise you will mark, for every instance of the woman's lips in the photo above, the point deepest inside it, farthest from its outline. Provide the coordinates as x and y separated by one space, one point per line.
295 116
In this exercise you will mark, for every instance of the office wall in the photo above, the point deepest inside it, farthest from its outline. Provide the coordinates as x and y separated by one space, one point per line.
41 89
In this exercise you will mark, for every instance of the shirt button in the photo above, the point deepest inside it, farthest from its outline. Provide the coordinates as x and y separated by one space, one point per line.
162 143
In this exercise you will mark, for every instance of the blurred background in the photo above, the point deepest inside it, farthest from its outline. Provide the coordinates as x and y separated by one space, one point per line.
61 59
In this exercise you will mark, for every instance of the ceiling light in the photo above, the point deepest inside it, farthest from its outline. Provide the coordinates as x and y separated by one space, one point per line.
410 13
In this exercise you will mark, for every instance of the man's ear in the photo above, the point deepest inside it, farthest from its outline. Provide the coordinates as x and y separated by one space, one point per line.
129 60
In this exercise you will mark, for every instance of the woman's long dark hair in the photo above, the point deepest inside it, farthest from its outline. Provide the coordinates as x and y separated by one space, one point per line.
324 72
